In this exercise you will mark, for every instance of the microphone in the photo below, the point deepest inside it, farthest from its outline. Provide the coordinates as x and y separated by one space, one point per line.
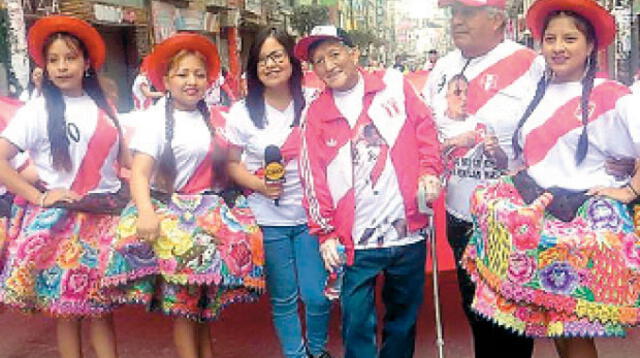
273 167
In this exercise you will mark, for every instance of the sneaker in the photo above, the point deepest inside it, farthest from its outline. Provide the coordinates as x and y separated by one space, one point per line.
324 354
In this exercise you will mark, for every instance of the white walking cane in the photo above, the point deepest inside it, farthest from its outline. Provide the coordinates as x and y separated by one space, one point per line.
431 231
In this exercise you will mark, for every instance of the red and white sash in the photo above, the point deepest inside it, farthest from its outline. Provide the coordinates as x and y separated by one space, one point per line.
102 141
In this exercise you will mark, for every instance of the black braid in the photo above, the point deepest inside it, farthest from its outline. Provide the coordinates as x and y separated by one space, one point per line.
92 87
587 86
167 163
56 125
540 90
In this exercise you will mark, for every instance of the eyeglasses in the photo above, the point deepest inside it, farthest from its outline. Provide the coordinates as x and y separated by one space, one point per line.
277 56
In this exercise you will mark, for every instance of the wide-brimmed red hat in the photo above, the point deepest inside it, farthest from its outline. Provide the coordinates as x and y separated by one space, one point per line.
47 26
603 23
160 58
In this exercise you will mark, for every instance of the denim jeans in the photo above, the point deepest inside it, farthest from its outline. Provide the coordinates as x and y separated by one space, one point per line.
295 269
489 339
402 294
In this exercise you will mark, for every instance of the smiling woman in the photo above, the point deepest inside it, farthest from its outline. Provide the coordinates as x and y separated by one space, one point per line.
576 288
58 130
183 247
269 119
567 43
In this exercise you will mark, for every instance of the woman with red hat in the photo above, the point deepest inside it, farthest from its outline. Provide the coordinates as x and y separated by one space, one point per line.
57 244
555 253
183 247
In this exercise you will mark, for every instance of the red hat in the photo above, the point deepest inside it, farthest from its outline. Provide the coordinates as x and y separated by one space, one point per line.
47 26
159 59
603 23
499 4
318 33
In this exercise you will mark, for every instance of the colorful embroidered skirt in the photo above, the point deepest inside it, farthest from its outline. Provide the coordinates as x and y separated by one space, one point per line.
4 227
54 259
207 255
6 205
543 277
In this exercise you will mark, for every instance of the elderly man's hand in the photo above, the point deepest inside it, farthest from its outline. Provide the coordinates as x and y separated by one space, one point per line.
430 186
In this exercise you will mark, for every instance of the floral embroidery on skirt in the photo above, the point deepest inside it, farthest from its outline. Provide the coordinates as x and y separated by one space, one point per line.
54 259
543 277
205 249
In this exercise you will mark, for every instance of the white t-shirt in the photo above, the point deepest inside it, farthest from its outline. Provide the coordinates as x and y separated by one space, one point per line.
25 96
614 133
500 112
18 161
380 214
635 87
28 131
191 141
241 131
350 102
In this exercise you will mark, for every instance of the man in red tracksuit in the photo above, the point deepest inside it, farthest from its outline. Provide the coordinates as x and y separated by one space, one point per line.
369 142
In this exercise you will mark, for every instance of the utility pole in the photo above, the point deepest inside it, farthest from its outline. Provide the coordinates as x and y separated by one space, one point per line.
353 25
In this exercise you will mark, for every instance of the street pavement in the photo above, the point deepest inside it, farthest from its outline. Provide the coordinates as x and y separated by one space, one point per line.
245 331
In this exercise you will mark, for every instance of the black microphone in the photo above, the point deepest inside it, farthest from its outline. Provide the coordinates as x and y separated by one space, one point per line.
273 167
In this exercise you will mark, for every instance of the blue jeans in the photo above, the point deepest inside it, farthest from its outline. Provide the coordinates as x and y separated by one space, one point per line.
402 294
294 269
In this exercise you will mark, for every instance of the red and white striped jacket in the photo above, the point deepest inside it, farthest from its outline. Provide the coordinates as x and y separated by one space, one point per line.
406 125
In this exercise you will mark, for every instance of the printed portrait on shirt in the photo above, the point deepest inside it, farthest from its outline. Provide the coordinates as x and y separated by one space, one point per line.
370 154
456 97
465 161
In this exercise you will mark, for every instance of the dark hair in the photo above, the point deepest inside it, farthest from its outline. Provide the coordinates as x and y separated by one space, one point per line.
55 105
255 88
586 28
31 86
167 170
458 77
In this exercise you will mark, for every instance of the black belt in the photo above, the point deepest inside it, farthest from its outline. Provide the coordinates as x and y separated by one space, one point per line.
565 202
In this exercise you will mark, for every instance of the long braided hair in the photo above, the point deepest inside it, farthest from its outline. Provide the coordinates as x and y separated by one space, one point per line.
167 170
55 105
591 67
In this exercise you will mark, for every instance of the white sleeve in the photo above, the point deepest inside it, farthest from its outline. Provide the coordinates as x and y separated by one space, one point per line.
148 137
19 160
536 71
24 129
237 125
429 90
628 110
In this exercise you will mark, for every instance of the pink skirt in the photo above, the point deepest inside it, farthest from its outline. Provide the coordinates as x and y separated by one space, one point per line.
54 260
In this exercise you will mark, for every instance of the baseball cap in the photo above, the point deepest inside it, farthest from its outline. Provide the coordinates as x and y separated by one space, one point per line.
319 33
